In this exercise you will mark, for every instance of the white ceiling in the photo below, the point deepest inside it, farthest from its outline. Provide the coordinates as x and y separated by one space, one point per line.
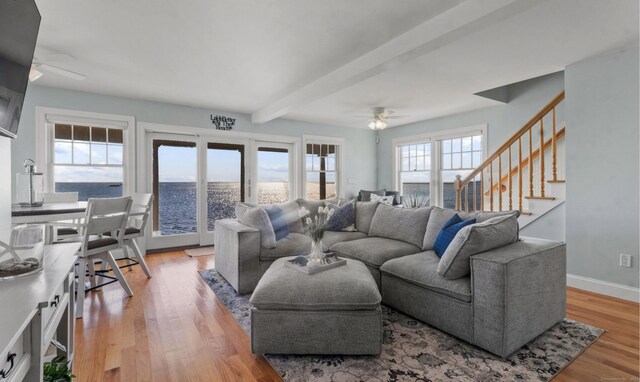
325 61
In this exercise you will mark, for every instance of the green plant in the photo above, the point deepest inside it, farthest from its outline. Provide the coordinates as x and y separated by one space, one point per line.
57 370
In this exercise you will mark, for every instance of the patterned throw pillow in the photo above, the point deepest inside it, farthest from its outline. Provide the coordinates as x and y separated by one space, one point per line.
343 217
278 221
388 200
448 232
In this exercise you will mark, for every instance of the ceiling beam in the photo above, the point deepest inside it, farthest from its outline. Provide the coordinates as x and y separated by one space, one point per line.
455 23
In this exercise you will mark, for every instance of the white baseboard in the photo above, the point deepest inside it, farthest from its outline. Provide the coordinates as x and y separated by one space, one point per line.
604 287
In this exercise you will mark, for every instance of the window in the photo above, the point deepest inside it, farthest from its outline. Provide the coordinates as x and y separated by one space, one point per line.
427 166
415 173
321 163
273 175
459 157
88 160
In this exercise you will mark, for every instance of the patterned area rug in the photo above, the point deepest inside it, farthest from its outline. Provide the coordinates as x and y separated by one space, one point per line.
414 351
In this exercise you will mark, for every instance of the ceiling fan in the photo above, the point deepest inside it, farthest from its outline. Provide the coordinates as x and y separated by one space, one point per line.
380 116
44 65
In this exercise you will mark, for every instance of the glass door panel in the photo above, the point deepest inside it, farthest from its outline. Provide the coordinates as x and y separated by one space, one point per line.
225 180
174 179
273 173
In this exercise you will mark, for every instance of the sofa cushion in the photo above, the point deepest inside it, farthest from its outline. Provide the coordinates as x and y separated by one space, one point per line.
405 224
256 217
330 238
364 215
365 196
293 244
448 232
493 233
348 287
343 217
439 216
421 269
374 251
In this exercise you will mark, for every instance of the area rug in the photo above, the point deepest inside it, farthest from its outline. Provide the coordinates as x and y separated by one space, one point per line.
414 351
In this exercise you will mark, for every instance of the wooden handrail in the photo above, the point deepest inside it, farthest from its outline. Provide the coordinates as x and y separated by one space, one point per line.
525 162
532 122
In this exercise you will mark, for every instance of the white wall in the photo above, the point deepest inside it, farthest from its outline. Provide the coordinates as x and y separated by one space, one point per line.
525 99
5 186
602 173
360 159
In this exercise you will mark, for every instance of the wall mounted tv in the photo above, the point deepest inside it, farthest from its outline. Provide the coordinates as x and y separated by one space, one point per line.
19 24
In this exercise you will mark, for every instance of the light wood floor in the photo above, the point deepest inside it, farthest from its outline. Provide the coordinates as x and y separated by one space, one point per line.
175 329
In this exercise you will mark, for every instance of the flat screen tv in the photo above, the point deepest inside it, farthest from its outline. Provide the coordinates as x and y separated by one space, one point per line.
19 24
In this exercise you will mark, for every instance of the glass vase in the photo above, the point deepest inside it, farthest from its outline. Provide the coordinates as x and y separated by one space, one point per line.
316 256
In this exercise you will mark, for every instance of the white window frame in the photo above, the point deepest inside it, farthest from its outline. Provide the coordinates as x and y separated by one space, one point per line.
340 159
47 118
434 138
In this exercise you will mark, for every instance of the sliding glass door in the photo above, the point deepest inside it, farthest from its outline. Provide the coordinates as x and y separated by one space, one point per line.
274 172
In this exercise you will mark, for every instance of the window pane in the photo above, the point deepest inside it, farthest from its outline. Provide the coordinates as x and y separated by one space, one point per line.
405 151
98 153
412 150
313 185
415 187
62 152
466 160
420 164
98 134
412 163
81 133
446 161
115 136
81 153
115 154
331 185
448 187
477 143
427 149
63 132
456 160
477 158
405 164
446 146
456 145
273 177
224 183
466 144
309 163
89 182
427 163
331 163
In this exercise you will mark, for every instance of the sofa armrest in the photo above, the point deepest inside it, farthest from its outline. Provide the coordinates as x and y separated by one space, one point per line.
237 252
519 291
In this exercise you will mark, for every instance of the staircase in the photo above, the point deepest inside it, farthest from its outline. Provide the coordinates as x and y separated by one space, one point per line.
526 173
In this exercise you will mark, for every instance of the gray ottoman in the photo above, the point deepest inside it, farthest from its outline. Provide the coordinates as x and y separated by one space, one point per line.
336 311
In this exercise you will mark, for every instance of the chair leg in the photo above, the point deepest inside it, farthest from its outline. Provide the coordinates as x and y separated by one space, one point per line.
92 272
127 256
116 270
82 270
140 257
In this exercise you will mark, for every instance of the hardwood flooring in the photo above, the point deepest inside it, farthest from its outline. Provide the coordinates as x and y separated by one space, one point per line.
175 329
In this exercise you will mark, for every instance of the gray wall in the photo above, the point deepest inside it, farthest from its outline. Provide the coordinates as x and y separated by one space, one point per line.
361 152
602 173
525 99
5 186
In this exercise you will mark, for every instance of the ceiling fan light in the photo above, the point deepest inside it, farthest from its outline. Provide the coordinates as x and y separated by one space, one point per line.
372 125
34 74
380 124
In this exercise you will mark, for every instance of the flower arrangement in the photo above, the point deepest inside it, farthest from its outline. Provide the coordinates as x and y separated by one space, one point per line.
316 228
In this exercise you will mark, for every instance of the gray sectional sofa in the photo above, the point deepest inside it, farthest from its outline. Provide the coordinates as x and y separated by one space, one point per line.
498 299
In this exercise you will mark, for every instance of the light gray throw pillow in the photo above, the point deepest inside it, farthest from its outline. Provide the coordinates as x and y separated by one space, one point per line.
477 238
439 216
291 213
256 217
404 224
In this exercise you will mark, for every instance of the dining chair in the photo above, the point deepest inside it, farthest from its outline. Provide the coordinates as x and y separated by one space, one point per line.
138 217
102 215
61 197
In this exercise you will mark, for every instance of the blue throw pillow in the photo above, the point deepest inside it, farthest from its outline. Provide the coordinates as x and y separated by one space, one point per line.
342 218
448 232
278 221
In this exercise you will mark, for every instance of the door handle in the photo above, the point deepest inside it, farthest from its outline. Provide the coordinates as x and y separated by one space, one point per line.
5 373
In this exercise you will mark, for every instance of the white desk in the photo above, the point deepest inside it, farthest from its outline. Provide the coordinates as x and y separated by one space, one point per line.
33 310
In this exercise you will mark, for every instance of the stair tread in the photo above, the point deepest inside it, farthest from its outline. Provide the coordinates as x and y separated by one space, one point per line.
557 181
540 197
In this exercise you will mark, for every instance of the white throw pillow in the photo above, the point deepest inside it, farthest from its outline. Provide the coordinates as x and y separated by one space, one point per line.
388 200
